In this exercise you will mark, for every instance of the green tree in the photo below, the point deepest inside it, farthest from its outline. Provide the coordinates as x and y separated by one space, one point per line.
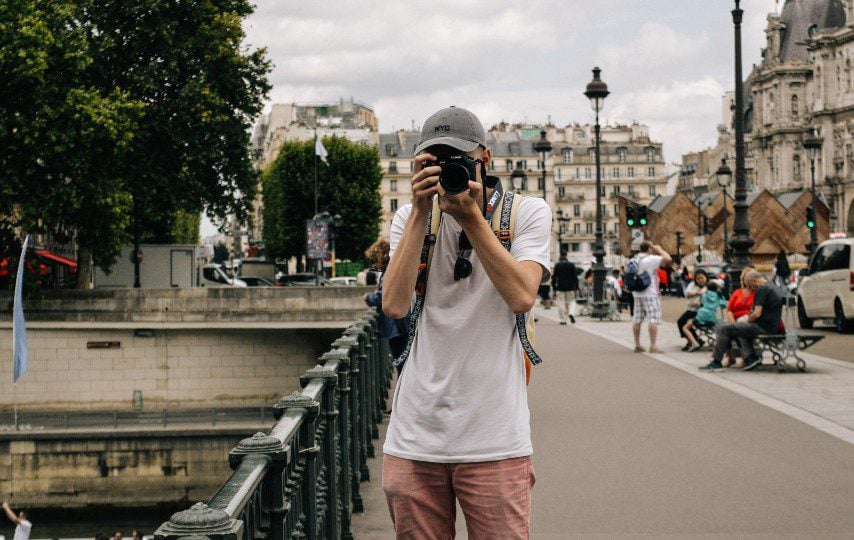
62 138
185 228
349 185
201 88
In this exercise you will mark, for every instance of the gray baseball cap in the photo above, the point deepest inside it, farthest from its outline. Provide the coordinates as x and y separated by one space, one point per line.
454 127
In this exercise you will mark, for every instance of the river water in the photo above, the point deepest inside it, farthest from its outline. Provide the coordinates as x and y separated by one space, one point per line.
86 523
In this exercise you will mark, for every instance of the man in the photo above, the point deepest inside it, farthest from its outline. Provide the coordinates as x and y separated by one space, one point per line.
565 284
613 279
460 426
647 303
764 319
22 531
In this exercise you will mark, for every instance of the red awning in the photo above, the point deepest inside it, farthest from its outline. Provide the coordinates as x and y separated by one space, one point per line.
57 258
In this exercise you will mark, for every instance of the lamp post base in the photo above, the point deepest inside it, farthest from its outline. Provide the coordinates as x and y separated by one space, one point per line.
600 310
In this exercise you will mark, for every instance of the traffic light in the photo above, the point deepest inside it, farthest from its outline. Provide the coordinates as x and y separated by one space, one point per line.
811 217
641 213
631 216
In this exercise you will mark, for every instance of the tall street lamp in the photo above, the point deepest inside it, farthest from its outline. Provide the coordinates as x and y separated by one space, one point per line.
519 175
596 92
812 144
543 146
724 177
741 241
562 221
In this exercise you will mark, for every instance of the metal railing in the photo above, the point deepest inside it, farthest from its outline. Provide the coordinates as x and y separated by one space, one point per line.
29 420
301 480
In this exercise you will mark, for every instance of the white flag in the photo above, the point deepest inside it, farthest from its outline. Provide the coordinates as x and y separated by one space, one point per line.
320 150
19 331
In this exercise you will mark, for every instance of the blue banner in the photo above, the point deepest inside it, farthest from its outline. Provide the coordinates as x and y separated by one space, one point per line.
19 331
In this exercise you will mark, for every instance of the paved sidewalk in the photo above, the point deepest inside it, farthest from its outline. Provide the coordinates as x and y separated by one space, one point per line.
625 446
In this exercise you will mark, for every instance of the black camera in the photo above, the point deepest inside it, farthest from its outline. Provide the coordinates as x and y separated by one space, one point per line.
457 170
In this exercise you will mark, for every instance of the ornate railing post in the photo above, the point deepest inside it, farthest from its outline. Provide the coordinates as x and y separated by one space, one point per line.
200 521
366 448
301 480
369 323
273 507
352 422
326 479
343 453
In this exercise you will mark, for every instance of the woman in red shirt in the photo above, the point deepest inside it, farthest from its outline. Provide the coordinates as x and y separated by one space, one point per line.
739 307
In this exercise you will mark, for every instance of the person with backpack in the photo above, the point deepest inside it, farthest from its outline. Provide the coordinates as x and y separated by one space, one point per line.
641 278
565 284
460 426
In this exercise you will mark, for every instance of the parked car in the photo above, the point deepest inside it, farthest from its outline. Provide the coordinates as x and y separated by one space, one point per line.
257 282
826 287
304 279
345 281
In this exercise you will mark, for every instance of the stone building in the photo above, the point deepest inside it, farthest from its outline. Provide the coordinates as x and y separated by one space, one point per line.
632 166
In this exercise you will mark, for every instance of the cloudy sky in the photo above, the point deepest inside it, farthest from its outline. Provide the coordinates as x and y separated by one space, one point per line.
666 62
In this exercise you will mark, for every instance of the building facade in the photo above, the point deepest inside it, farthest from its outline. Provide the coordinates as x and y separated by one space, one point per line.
632 165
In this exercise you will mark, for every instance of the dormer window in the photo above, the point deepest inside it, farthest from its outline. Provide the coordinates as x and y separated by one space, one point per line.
390 150
567 155
650 154
622 153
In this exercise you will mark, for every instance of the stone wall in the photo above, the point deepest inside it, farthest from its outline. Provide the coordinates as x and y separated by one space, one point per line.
122 469
173 368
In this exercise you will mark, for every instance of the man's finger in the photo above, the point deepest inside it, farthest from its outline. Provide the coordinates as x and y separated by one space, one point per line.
421 158
425 172
425 183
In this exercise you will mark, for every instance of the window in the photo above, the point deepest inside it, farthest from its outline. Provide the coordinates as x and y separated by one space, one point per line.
576 210
509 163
557 173
394 205
616 210
578 173
390 150
650 154
796 168
591 153
567 155
602 191
652 191
831 257
650 172
616 190
588 228
630 172
576 228
540 183
411 166
491 164
621 154
561 192
588 173
522 164
393 185
574 246
615 172
392 166
794 107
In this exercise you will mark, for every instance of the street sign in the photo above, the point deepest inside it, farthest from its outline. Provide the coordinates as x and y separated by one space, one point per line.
699 240
637 238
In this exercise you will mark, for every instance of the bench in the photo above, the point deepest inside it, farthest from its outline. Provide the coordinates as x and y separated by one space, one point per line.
785 346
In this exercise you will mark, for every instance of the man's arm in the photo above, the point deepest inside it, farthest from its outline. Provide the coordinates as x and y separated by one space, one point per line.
402 271
11 514
755 314
666 261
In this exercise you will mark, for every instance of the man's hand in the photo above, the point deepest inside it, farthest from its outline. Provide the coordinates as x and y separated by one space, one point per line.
425 183
462 206
5 505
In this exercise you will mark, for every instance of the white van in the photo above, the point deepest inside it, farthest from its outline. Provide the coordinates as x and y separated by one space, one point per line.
213 275
826 288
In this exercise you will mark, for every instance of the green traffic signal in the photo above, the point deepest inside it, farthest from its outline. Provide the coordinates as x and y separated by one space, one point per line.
811 218
810 224
643 221
630 222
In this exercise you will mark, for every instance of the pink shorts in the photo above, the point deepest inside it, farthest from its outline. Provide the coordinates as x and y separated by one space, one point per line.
495 497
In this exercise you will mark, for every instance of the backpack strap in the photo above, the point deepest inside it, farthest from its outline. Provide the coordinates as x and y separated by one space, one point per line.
504 233
421 281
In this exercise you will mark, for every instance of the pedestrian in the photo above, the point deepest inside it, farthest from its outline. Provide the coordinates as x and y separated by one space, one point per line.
648 300
117 535
392 330
22 524
613 279
565 283
663 281
782 271
544 291
135 535
694 293
460 427
766 318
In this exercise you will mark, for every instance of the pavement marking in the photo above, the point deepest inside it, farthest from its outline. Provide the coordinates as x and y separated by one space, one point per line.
822 424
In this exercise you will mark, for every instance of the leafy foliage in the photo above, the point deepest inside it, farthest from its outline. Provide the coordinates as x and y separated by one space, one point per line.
349 185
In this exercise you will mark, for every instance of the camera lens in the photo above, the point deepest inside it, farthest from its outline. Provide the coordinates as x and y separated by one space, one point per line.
454 178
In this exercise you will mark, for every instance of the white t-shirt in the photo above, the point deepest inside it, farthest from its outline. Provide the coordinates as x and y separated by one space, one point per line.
649 264
614 283
462 394
22 531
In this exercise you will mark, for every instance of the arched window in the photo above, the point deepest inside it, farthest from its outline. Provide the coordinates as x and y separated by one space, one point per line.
796 168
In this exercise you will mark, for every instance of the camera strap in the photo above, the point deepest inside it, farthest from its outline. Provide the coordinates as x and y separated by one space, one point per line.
503 231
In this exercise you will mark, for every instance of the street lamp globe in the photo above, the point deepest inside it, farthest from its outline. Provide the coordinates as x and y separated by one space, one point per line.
724 175
597 91
518 174
812 144
543 147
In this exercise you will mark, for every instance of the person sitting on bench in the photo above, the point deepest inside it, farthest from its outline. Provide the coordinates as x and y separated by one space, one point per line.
707 315
764 319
